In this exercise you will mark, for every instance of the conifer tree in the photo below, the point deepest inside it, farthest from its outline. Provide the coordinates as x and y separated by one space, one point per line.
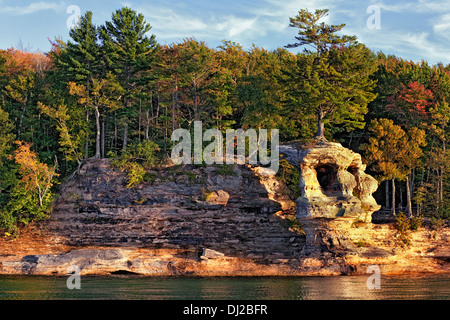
334 78
128 51
80 64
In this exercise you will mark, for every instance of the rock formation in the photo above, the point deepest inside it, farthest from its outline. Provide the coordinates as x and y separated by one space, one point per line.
332 181
191 207
201 221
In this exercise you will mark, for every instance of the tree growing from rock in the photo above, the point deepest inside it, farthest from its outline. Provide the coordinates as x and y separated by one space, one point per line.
335 78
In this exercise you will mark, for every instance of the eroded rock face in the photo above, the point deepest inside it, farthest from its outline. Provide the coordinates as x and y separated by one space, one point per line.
332 181
178 208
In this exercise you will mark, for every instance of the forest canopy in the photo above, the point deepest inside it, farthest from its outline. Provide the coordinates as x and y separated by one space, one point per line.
112 91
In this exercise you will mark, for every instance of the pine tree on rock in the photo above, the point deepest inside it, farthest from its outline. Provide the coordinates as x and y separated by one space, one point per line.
334 77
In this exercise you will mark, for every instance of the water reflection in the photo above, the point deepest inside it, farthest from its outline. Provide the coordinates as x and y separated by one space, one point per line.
307 288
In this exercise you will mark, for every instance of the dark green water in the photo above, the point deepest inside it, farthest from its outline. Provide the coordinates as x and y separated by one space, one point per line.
298 288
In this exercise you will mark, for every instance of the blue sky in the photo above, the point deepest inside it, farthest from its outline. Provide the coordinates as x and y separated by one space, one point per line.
413 30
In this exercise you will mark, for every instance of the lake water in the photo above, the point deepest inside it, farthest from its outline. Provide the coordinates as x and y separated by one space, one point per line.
284 288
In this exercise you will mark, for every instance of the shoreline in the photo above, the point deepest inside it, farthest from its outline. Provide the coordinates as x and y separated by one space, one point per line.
192 221
37 254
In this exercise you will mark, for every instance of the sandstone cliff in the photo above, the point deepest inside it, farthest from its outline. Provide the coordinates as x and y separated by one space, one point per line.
205 221
228 210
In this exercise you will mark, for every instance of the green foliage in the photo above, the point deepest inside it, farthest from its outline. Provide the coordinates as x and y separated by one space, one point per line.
415 223
405 225
393 151
294 225
8 222
30 198
70 127
362 243
135 160
206 194
144 153
26 206
290 175
112 91
436 223
226 169
334 81
6 136
135 174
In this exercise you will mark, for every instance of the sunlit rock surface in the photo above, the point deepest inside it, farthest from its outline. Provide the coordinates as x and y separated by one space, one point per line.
332 181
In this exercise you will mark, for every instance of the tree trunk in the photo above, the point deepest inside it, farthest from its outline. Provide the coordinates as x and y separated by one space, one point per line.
86 145
147 125
386 186
127 107
140 120
103 137
393 197
97 133
419 205
174 103
320 129
320 125
115 130
195 102
24 109
408 197
125 136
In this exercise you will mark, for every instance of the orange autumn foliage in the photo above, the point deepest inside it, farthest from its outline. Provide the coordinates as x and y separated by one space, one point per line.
36 176
20 62
412 103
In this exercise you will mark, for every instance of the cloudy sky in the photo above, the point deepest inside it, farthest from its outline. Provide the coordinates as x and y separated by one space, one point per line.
413 30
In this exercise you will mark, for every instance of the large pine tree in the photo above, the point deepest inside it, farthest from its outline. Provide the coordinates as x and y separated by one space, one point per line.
128 52
333 79
81 64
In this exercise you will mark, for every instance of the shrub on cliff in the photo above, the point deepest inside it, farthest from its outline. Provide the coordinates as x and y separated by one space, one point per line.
405 225
290 176
135 160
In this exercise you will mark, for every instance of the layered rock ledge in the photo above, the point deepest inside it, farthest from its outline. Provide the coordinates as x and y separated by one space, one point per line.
206 221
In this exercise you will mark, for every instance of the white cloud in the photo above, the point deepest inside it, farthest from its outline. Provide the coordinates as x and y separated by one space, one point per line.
421 6
407 45
244 23
168 23
421 44
442 26
172 23
233 26
33 7
257 20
